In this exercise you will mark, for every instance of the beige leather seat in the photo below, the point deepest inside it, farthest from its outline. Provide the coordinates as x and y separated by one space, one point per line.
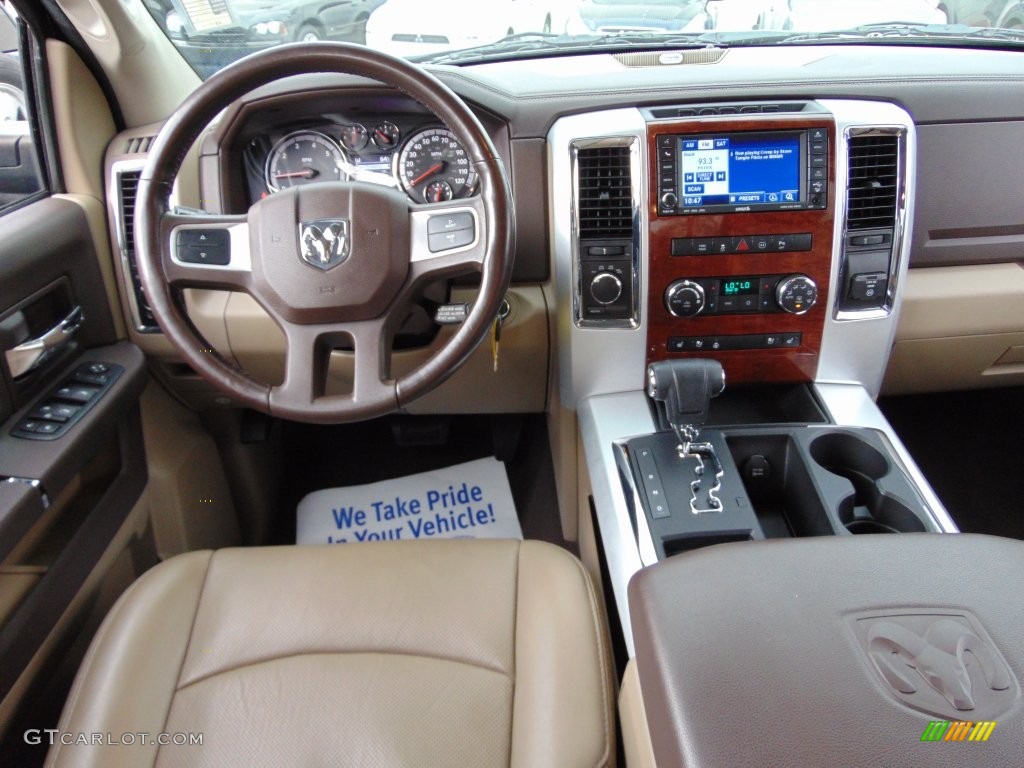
443 653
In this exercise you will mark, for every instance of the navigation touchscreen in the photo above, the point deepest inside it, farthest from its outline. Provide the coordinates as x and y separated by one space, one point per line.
737 170
742 171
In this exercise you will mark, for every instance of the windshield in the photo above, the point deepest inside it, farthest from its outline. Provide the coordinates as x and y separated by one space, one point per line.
213 33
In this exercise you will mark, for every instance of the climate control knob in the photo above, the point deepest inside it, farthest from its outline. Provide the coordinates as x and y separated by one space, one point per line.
605 288
796 294
684 298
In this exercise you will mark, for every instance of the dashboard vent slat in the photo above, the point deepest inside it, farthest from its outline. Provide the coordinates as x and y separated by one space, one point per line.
872 193
128 189
605 206
138 145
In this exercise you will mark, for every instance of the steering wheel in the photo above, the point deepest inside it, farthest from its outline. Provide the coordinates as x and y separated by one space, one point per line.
333 263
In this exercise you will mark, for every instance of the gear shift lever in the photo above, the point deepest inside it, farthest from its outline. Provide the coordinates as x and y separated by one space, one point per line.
684 389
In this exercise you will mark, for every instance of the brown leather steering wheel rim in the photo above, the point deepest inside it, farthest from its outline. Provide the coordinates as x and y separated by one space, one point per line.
231 83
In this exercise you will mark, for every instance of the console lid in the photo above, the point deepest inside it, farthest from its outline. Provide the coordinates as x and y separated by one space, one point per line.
843 650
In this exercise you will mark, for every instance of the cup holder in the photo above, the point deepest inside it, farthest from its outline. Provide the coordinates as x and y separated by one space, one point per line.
869 509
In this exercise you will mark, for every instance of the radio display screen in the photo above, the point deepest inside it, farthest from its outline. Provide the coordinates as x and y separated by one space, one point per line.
737 170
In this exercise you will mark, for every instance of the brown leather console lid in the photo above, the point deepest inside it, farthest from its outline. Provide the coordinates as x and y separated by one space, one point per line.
904 650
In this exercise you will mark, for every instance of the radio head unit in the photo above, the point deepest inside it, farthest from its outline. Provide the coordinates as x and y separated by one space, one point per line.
742 171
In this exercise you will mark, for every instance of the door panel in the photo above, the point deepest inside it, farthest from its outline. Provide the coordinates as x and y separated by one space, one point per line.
72 458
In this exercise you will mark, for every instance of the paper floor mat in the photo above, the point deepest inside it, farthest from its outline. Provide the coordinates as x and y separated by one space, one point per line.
470 501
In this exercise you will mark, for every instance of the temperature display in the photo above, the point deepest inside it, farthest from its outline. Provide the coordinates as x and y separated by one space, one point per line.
739 287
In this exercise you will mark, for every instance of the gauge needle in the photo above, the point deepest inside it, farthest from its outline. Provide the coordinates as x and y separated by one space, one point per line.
383 137
429 172
305 173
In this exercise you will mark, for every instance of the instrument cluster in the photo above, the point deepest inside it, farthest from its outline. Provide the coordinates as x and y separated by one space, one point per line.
425 160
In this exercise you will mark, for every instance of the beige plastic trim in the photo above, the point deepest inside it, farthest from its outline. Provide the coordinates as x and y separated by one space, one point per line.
148 75
636 736
959 328
96 217
83 122
962 301
191 502
519 385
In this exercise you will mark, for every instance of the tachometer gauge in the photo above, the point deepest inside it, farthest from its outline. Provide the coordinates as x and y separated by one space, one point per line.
354 137
386 136
304 157
433 166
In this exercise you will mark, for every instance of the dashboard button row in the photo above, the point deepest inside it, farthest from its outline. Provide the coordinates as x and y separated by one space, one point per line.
718 246
745 341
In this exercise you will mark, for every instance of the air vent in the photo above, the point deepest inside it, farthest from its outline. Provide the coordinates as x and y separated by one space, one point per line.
716 110
872 194
605 205
128 188
138 145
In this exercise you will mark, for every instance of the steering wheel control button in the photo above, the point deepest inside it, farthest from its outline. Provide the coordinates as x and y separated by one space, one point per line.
207 238
204 246
450 222
445 241
218 257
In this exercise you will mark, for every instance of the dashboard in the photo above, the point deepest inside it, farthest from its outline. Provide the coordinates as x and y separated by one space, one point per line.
755 264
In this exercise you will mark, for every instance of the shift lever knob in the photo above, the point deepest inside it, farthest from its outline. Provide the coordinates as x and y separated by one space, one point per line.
685 388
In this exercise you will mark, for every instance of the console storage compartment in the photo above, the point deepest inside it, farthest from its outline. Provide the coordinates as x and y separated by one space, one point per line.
837 650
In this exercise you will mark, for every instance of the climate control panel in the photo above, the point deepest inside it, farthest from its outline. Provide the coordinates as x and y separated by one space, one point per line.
750 294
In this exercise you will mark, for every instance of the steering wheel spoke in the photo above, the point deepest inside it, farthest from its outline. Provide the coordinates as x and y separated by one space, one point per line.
309 348
206 251
447 239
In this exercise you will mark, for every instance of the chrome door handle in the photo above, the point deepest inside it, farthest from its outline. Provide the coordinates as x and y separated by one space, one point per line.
29 354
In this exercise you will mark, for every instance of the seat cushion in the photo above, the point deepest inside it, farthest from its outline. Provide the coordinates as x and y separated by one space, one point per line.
455 653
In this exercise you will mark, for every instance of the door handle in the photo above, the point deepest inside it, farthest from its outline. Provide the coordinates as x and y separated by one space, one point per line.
30 354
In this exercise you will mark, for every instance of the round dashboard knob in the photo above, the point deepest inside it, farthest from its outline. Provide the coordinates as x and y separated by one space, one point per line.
669 200
684 298
796 294
606 288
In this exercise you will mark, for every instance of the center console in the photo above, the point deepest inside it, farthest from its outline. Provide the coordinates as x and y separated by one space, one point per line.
768 240
729 279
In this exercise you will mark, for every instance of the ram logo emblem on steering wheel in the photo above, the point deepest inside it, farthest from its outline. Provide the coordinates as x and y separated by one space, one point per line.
324 243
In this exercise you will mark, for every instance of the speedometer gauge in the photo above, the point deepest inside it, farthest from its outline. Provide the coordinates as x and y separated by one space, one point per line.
433 166
302 158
